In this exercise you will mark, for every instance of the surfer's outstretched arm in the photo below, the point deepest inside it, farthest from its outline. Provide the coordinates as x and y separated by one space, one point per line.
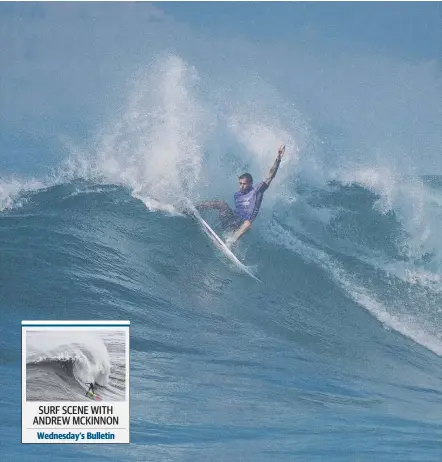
275 166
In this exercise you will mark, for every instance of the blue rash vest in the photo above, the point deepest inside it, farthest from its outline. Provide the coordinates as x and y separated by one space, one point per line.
247 204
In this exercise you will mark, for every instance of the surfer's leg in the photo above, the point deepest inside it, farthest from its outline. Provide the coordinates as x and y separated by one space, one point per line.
217 205
228 218
226 214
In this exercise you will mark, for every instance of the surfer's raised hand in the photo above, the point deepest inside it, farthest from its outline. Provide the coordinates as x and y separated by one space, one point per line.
275 166
281 152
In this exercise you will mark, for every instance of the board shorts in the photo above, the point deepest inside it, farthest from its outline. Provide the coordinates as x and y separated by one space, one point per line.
230 221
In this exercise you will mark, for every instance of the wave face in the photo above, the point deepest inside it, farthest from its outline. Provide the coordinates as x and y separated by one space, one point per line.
343 334
335 356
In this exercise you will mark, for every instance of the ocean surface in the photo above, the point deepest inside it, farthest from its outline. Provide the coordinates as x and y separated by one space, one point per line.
335 356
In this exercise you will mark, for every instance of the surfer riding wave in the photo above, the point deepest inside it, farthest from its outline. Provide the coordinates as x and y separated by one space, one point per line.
91 388
247 203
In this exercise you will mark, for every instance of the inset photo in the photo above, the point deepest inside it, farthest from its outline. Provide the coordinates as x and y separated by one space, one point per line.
75 381
87 364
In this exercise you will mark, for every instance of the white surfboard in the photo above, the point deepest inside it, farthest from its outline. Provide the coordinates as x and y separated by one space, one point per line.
220 245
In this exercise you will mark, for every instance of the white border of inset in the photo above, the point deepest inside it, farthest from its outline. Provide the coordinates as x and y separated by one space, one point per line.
121 436
76 323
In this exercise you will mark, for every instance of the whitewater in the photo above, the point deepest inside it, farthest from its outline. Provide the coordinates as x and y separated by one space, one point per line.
335 356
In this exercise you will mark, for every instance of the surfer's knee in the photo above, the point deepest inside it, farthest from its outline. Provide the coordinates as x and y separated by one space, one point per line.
223 206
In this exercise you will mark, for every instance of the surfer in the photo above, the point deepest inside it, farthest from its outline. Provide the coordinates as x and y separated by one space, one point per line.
91 388
247 203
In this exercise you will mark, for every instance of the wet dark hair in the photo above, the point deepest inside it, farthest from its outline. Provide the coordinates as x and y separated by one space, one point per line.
246 176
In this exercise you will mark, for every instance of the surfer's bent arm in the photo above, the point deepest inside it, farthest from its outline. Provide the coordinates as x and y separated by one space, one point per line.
275 166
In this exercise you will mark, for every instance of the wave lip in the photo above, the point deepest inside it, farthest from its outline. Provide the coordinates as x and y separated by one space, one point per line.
13 190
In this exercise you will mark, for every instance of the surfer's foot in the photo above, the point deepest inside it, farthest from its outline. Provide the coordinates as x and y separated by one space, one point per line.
229 242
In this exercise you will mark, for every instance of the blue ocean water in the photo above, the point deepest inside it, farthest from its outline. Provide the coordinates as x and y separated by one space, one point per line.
327 359
335 356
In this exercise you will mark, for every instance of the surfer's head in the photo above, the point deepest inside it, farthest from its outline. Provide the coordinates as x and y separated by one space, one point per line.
245 182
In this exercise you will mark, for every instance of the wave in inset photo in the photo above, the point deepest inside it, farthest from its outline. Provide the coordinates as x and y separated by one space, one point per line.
75 366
